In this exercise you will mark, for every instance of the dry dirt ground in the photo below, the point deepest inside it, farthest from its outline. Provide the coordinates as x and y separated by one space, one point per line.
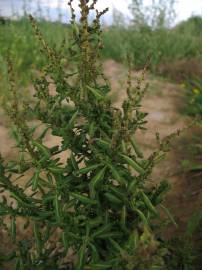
162 103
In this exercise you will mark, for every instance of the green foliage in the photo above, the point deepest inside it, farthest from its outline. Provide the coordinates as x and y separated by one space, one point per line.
98 209
150 35
194 97
191 27
165 45
192 165
18 43
185 253
186 247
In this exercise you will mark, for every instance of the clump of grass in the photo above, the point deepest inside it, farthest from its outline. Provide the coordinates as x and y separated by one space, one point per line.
98 209
185 252
187 73
194 97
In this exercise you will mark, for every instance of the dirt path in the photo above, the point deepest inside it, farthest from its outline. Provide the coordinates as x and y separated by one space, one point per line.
161 103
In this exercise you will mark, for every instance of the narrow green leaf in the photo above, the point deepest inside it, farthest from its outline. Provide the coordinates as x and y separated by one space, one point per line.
134 240
112 198
116 246
50 178
109 234
64 241
56 170
35 180
13 229
104 229
132 186
92 129
96 93
149 204
37 237
136 148
43 134
133 164
72 120
103 144
83 199
119 193
196 168
117 176
96 180
45 183
101 266
169 215
81 258
88 169
142 216
74 162
123 216
42 148
57 209
95 222
95 254
123 147
21 201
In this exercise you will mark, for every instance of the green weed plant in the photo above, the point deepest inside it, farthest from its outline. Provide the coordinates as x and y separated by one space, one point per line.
99 208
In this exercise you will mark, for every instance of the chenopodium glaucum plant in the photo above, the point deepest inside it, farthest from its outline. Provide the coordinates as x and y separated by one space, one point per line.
96 209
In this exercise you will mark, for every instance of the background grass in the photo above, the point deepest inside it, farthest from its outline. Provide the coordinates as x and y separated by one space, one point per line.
18 43
165 45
